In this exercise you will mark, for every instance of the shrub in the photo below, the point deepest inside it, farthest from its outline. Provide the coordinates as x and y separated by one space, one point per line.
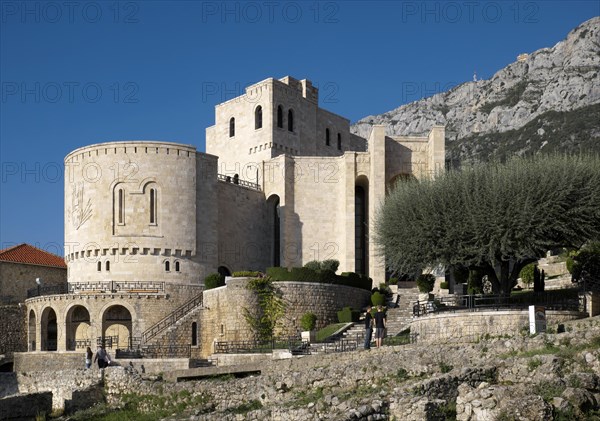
330 264
392 281
384 289
214 280
308 321
475 282
444 285
246 274
526 273
425 282
377 299
278 274
347 315
313 264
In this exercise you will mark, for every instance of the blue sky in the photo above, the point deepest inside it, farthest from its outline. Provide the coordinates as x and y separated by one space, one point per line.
81 72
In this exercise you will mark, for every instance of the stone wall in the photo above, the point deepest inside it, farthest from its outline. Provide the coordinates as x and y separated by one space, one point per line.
13 337
65 385
17 278
223 317
324 300
242 228
470 326
25 407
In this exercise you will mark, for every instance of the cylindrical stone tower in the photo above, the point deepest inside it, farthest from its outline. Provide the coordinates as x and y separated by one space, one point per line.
130 213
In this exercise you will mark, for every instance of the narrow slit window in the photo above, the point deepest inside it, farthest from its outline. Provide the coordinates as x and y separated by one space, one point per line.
153 203
99 266
167 266
327 137
176 266
280 117
258 118
121 205
339 141
232 127
107 265
290 120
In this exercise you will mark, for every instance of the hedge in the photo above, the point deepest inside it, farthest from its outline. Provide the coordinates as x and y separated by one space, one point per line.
323 276
214 280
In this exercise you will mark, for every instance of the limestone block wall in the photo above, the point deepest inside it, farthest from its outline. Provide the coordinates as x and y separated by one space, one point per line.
242 228
223 317
13 337
469 326
71 389
128 210
17 278
248 145
324 300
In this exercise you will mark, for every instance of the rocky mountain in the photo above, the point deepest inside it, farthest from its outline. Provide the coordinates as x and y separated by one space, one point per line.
546 100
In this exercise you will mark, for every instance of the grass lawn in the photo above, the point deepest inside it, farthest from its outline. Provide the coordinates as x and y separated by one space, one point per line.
327 331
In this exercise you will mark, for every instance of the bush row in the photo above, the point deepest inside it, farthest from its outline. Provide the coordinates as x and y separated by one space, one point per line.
323 276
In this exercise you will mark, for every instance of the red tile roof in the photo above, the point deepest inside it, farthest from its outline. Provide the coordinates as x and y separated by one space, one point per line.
24 253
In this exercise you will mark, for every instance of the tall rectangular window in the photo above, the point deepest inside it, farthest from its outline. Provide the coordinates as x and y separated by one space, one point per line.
121 208
153 201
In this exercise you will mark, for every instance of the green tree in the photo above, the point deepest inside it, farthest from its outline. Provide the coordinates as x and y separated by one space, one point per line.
494 217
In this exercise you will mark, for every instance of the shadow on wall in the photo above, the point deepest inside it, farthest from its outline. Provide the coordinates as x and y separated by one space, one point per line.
8 384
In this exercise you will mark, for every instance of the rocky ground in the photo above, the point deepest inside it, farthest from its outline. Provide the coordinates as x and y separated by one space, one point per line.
545 377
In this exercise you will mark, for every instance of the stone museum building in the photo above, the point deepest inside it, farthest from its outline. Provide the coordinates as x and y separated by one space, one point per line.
282 182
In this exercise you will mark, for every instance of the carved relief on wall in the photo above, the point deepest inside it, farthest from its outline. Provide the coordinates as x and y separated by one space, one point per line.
81 211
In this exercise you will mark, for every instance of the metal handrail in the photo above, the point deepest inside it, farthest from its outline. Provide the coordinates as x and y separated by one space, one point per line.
46 290
294 344
493 302
237 181
172 318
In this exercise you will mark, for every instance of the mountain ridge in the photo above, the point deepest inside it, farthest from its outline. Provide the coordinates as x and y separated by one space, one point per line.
546 84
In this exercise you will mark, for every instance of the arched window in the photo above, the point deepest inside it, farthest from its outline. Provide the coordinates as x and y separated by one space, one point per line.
167 266
339 141
280 117
258 117
107 265
194 334
290 120
231 127
327 138
153 203
177 266
99 266
121 217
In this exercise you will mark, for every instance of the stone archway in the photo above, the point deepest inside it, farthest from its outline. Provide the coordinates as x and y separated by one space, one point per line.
49 330
78 332
117 327
31 331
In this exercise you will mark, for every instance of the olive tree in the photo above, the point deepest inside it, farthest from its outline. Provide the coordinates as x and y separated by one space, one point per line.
492 217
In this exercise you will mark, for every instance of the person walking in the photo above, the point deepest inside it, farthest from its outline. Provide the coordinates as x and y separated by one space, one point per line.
88 357
368 327
102 357
380 324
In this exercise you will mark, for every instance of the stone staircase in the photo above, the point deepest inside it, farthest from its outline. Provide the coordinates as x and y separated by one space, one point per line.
179 332
398 319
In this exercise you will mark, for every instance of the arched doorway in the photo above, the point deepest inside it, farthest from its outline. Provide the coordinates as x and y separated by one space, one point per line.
49 330
361 225
116 327
274 221
78 328
31 332
224 271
